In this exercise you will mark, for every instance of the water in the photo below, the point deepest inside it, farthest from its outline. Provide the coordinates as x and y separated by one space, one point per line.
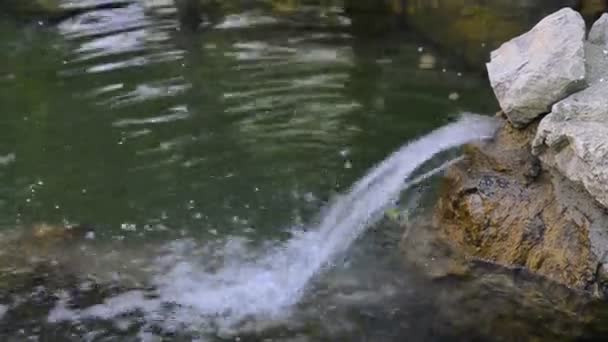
275 281
215 169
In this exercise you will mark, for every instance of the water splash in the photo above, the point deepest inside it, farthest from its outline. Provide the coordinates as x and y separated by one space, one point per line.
248 284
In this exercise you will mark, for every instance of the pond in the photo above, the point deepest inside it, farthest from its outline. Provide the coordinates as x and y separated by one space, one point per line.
162 169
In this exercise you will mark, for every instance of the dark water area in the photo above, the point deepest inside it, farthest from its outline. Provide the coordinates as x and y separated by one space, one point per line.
183 140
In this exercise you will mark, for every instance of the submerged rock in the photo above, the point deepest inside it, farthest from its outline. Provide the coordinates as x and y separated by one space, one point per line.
533 71
500 206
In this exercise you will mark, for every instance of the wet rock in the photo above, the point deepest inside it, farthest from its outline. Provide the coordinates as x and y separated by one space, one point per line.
533 71
499 206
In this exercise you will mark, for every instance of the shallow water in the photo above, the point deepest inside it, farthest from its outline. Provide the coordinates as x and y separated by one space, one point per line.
188 154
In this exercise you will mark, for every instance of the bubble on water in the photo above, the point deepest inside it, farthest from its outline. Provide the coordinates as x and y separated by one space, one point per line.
420 49
212 231
89 236
427 61
129 227
454 96
310 197
191 204
348 165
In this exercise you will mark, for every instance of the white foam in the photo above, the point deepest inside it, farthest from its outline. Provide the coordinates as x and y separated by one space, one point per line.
7 159
223 287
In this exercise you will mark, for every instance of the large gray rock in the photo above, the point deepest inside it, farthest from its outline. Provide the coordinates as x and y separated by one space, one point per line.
535 70
573 139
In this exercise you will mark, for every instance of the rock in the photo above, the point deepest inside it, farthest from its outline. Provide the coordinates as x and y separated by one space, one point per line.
599 31
499 206
573 138
533 71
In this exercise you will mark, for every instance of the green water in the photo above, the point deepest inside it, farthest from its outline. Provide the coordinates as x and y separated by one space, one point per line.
145 130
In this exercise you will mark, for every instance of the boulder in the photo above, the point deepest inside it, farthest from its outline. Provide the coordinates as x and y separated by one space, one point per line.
535 70
573 138
499 205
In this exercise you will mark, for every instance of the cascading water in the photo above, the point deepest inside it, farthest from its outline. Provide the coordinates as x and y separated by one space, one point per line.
274 280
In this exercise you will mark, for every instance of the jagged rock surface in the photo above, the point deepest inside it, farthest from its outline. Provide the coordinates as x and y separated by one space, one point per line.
573 138
533 71
500 206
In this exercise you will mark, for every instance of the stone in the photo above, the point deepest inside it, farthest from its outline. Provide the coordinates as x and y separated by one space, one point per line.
599 31
535 70
573 138
499 206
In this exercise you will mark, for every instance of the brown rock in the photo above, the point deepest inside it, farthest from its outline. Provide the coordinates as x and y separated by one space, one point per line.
498 205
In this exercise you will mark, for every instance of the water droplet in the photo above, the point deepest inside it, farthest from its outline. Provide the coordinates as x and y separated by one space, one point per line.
212 231
459 74
427 61
84 191
309 197
345 152
56 206
444 70
190 205
40 183
90 236
454 96
420 49
129 227
348 165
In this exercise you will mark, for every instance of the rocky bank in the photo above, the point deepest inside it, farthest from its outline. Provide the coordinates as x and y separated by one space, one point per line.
537 195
